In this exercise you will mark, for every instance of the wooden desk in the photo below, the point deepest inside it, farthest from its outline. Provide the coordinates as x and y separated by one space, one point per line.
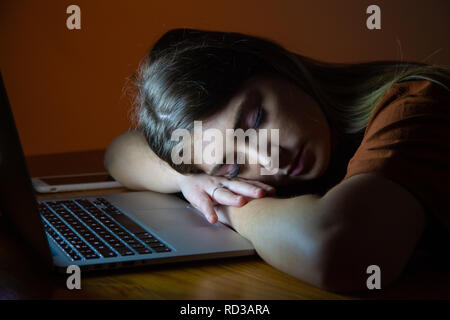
236 278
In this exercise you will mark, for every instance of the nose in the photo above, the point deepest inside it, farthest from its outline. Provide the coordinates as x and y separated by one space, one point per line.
266 158
253 155
286 157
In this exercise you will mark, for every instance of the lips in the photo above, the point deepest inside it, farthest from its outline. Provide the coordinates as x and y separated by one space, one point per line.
301 163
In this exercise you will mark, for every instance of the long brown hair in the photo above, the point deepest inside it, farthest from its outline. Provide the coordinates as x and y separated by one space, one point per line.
190 74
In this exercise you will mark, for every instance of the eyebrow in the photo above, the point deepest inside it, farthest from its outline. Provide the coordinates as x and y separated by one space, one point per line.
237 120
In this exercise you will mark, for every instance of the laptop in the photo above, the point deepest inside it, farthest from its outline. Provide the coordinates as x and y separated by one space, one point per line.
104 231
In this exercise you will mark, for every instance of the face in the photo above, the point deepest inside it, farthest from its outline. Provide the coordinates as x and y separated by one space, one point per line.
267 101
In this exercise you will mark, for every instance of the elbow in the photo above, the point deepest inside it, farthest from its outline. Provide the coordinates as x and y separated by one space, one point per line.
113 165
331 274
113 151
340 267
107 158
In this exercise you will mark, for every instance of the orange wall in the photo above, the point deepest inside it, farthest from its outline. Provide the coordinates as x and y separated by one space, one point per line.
66 86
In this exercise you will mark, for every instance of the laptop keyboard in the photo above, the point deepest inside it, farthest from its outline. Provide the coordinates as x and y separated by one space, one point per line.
87 229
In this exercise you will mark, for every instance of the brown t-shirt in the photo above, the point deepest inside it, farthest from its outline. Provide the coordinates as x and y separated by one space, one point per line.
407 140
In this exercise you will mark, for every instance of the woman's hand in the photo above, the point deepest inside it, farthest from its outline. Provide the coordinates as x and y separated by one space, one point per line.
198 189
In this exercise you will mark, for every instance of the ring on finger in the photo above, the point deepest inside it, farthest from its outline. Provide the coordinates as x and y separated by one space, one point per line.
215 189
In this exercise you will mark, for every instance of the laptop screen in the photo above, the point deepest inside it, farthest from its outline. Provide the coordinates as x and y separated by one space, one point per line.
17 198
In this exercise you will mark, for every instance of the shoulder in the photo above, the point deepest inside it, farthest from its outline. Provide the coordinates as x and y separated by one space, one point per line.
412 98
412 122
420 87
407 141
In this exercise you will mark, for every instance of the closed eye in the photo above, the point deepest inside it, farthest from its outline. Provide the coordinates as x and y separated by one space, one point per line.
258 118
255 125
236 171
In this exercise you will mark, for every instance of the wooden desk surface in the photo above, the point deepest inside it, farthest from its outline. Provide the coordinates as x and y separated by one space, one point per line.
235 278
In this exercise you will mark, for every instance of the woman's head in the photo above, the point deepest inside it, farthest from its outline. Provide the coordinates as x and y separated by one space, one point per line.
268 101
193 75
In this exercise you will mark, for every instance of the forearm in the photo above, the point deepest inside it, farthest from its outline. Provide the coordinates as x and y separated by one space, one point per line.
131 162
286 233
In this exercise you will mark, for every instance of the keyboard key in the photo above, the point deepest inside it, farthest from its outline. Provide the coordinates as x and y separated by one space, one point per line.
151 241
63 244
104 229
91 256
144 235
162 249
156 245
108 253
126 252
143 250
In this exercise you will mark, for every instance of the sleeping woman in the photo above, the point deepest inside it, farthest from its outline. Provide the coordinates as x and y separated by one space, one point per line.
364 151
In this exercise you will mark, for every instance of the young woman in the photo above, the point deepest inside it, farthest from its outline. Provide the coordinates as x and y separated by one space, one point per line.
364 151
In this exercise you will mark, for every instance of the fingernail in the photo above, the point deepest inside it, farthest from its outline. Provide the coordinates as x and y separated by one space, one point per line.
240 199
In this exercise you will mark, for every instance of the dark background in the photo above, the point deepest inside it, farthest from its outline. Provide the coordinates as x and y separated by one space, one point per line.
66 87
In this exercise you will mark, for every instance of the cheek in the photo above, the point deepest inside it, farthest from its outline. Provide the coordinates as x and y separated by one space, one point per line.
286 120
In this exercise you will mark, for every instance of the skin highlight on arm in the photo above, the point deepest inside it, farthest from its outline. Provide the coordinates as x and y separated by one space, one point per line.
330 241
286 233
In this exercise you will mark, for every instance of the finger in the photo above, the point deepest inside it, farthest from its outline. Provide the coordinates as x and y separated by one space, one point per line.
269 189
226 197
204 203
244 188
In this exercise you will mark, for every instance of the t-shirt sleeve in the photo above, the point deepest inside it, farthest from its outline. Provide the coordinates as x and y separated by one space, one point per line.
407 140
